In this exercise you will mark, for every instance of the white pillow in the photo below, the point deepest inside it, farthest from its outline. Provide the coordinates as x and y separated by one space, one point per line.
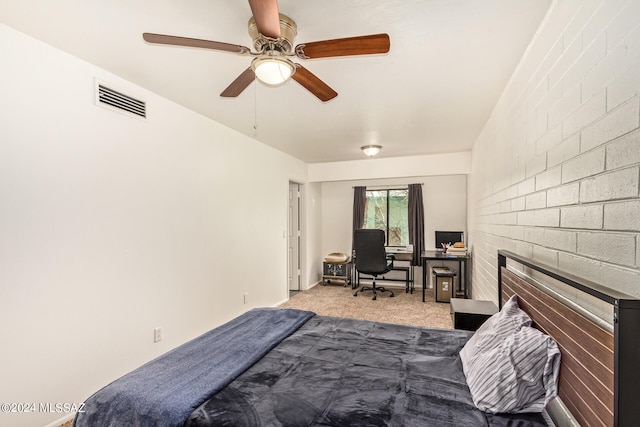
511 367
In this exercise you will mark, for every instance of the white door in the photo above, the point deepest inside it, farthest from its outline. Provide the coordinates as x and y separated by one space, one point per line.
293 233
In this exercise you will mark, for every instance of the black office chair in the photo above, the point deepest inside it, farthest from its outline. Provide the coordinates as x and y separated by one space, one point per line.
371 258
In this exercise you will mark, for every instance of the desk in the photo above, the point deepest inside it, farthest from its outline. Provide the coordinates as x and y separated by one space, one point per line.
400 255
441 256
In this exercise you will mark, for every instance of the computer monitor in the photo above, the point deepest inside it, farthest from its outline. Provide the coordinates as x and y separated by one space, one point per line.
448 237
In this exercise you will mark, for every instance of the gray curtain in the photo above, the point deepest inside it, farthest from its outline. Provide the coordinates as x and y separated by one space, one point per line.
359 205
416 223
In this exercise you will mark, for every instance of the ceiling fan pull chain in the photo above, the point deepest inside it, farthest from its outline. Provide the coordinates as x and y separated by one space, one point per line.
255 107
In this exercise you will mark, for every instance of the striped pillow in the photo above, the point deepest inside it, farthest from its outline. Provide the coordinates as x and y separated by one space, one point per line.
492 332
515 370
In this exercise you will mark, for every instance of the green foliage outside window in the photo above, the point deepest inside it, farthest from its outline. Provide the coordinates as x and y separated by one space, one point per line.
387 210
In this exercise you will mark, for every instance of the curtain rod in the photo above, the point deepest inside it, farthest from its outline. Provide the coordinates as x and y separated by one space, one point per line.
386 186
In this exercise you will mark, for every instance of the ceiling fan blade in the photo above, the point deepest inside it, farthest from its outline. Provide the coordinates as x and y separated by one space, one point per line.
313 84
265 12
362 45
239 84
186 41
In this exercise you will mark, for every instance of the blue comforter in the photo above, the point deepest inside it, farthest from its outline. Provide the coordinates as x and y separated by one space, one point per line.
166 390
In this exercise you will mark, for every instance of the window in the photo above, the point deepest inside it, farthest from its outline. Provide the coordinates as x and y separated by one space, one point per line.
387 210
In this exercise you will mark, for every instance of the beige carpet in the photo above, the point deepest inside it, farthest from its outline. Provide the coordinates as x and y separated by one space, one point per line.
403 308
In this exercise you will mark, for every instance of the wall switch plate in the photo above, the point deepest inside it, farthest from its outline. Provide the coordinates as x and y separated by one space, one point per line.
157 334
246 298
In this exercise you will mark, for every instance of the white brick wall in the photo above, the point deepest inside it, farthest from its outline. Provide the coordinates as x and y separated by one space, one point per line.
587 164
610 126
610 186
582 216
556 171
624 151
620 216
564 195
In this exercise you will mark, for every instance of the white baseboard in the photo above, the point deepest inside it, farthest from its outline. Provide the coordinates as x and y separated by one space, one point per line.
287 299
278 304
314 285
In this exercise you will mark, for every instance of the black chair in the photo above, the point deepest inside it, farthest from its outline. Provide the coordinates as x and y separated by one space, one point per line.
371 258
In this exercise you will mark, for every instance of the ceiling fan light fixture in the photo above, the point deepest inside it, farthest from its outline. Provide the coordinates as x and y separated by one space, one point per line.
371 150
272 70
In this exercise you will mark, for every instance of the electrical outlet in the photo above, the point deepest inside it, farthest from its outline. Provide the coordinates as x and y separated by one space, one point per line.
246 297
157 334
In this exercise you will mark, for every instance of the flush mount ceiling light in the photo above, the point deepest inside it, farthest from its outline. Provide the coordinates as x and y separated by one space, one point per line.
371 150
273 69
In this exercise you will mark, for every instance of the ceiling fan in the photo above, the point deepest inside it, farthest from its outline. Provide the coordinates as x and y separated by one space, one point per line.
273 34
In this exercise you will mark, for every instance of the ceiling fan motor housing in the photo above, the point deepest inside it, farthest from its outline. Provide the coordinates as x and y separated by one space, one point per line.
288 33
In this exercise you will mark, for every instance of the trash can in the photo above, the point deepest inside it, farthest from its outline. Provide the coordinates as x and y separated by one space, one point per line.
444 280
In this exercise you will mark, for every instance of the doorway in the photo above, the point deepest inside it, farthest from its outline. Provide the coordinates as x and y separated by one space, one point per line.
293 238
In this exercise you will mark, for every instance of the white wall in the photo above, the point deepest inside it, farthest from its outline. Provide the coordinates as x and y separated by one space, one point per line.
444 199
555 173
111 226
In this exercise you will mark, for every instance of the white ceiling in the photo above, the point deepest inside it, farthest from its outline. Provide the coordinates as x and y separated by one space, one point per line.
432 93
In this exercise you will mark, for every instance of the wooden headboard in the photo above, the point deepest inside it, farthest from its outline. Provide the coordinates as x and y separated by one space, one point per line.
600 371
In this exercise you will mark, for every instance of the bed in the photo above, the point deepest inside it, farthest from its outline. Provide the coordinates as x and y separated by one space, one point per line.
294 368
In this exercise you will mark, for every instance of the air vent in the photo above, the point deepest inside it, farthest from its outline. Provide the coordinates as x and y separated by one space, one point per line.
115 99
